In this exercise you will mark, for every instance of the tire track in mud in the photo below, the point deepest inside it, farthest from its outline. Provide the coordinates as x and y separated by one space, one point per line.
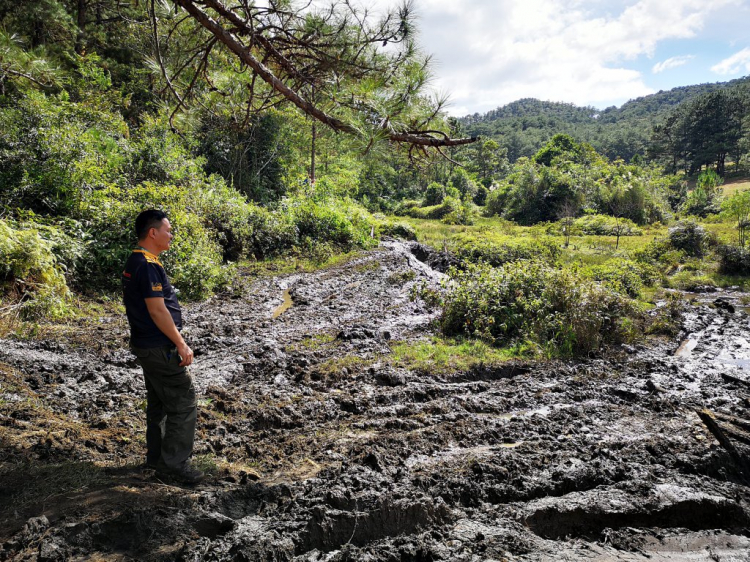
359 459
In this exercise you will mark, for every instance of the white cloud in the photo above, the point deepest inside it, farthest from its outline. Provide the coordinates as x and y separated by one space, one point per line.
672 62
736 64
491 52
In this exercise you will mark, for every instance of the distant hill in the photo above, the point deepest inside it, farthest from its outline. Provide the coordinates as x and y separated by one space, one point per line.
523 126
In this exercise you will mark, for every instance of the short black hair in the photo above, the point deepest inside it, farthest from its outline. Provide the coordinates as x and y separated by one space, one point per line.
147 220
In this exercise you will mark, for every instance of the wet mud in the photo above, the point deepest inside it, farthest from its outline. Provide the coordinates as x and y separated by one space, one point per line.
326 449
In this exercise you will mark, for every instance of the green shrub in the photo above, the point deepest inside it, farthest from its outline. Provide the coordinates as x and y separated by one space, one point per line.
30 275
605 225
624 276
705 198
464 214
496 201
556 309
340 222
406 207
448 206
661 252
398 230
195 258
734 260
687 280
478 250
272 233
667 318
436 193
480 197
690 237
55 152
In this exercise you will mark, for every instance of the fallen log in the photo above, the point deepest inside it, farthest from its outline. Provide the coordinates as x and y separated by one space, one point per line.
708 419
732 378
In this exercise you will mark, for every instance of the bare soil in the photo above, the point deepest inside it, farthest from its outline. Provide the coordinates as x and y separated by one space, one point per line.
321 447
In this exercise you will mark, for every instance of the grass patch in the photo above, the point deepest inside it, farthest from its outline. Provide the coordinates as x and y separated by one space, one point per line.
401 277
691 280
589 249
333 369
79 328
367 266
733 186
446 355
206 464
313 342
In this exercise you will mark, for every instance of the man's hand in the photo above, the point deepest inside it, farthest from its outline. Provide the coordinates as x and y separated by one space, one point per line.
186 354
163 320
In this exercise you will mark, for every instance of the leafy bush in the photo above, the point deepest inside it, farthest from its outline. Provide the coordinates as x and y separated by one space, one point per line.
478 250
496 201
480 197
464 214
406 207
54 153
705 199
690 237
605 225
661 252
341 222
29 272
734 260
624 276
667 318
556 309
466 187
691 280
194 259
272 233
448 206
398 230
436 193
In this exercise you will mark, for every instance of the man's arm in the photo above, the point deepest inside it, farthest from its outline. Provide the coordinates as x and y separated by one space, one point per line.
163 320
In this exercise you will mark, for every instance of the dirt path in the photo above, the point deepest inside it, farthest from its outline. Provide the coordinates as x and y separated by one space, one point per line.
327 451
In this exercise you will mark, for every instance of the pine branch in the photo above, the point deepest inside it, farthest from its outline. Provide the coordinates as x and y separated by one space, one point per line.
243 52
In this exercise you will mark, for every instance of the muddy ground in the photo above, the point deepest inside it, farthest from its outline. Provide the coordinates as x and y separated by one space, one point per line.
321 447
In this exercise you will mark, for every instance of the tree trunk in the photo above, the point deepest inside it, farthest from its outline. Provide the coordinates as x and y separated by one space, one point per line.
312 155
80 46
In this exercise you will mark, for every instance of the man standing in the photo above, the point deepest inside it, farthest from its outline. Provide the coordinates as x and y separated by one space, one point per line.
155 321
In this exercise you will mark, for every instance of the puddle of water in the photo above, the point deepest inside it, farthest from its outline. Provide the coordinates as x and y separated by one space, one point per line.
454 453
543 411
283 307
686 348
741 362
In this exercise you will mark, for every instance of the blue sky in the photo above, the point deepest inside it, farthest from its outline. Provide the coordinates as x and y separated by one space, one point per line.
489 53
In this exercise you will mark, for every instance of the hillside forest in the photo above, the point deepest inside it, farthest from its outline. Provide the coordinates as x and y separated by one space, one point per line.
274 135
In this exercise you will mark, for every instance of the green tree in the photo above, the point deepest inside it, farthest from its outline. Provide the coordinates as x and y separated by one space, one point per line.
488 161
704 198
251 158
703 133
328 62
737 208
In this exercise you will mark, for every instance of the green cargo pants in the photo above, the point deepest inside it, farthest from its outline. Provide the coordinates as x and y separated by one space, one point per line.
171 409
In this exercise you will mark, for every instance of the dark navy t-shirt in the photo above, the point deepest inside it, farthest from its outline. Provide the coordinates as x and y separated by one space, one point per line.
144 277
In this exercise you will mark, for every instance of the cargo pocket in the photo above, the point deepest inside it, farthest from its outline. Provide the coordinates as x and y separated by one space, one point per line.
140 354
179 391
